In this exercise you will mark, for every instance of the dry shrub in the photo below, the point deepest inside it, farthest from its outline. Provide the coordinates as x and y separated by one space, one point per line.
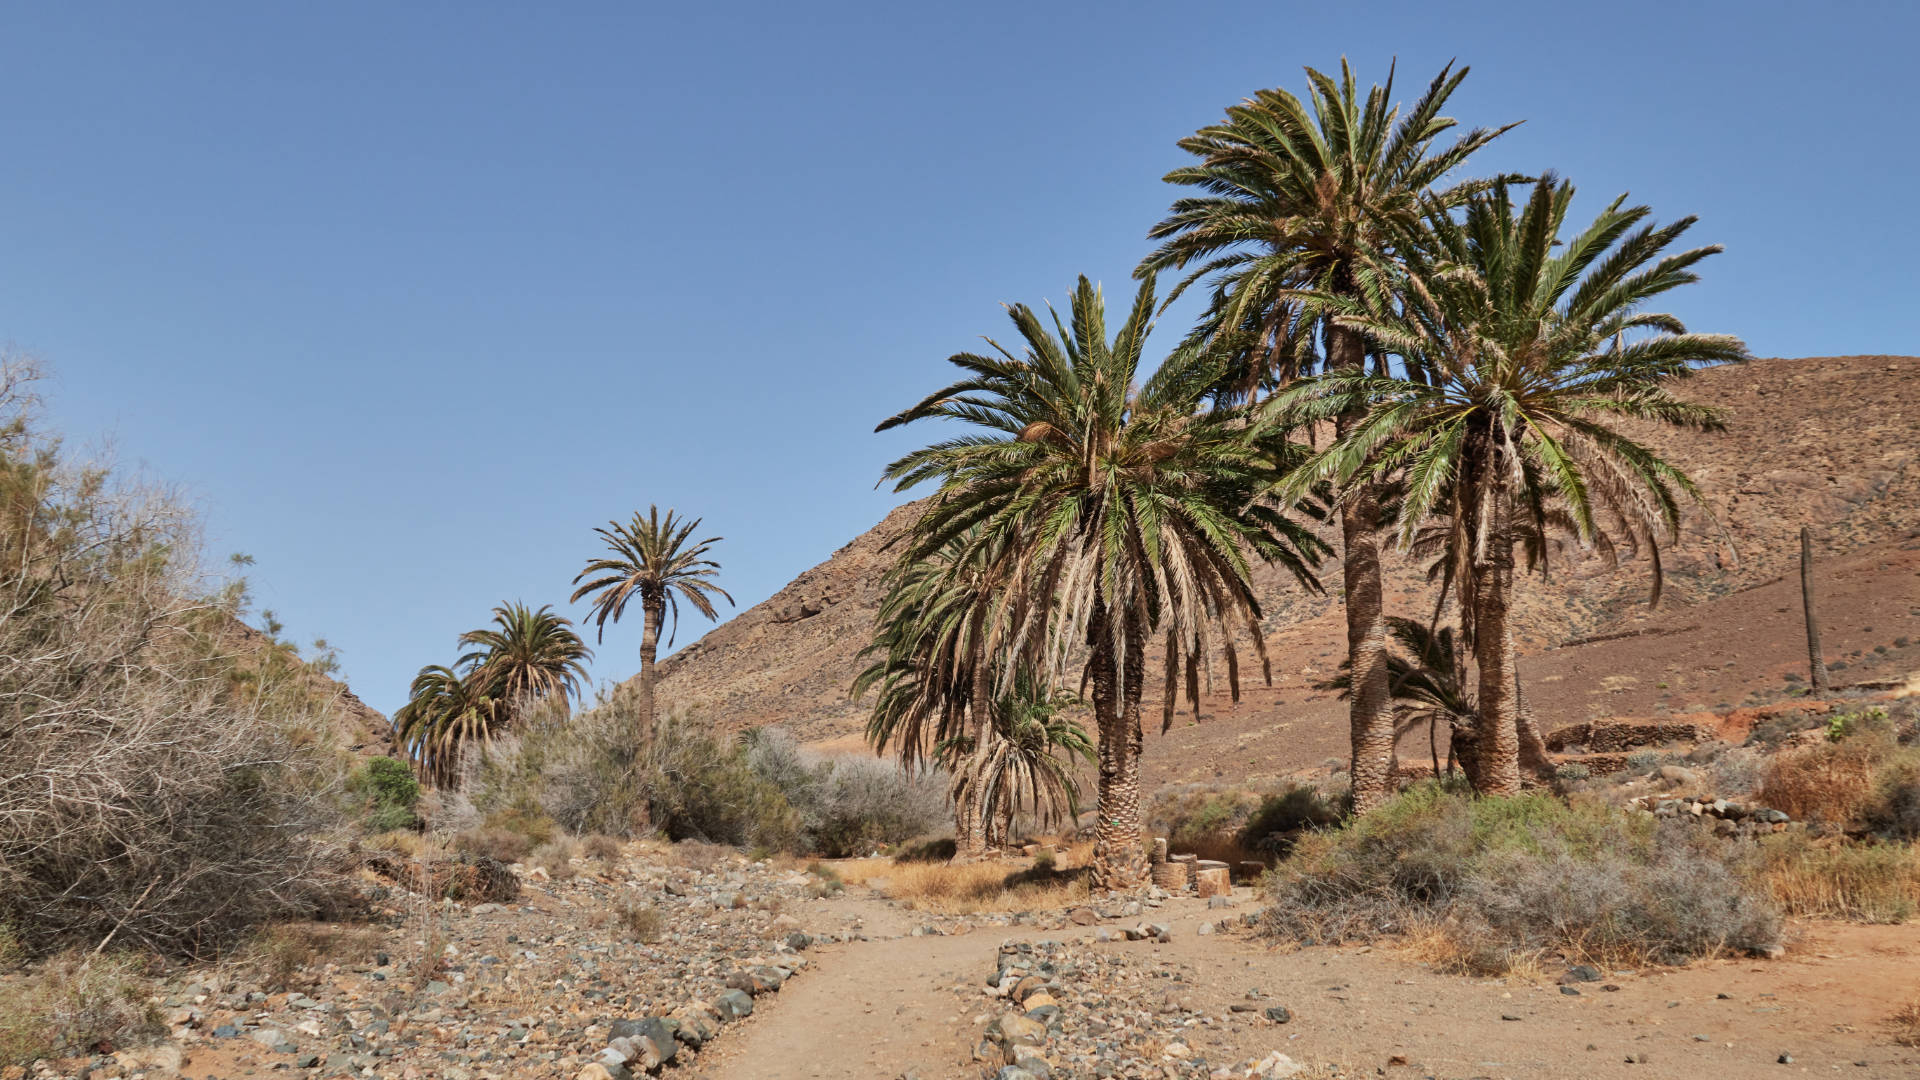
700 855
827 880
601 846
556 857
167 776
278 953
75 1003
640 922
501 845
1503 881
1905 1023
1832 782
1876 882
925 849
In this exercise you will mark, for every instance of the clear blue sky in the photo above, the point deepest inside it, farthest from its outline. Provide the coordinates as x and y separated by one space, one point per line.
409 297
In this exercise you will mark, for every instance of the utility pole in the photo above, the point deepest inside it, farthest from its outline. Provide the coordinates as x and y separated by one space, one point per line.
1817 663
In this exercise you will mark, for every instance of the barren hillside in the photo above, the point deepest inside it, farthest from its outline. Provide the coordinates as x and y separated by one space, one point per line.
1828 442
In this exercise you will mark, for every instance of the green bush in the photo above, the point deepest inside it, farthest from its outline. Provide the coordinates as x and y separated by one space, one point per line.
1500 879
1238 821
387 792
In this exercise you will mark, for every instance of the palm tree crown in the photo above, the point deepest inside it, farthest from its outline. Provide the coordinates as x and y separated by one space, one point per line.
651 560
527 655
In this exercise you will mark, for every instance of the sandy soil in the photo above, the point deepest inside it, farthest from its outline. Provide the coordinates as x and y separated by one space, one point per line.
884 1008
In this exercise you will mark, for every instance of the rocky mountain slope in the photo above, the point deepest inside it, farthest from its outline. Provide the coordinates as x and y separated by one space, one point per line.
1829 442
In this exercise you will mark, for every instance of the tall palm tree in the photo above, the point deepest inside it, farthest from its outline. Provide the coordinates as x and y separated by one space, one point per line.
1317 196
1117 512
526 656
1536 350
654 559
446 711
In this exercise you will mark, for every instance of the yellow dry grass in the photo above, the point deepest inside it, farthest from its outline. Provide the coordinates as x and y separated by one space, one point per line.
1877 882
967 888
970 887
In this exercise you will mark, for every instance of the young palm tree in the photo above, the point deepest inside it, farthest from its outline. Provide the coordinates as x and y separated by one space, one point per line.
653 560
1025 760
1536 349
1321 196
525 657
1114 512
445 712
937 632
1429 683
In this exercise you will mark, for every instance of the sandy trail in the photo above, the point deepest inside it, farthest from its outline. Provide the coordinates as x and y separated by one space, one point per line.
886 1007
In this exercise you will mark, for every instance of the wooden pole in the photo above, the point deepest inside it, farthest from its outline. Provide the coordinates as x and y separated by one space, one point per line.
1816 663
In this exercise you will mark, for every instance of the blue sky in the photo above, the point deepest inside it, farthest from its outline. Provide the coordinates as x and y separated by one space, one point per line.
409 297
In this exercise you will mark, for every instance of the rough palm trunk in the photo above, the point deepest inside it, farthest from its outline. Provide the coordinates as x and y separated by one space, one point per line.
1119 864
1533 749
1816 662
1498 740
1370 710
655 612
970 814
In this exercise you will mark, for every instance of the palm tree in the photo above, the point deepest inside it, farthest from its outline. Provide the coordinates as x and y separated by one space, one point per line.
1535 350
527 656
1113 512
1429 682
1026 759
1319 197
445 712
653 560
937 633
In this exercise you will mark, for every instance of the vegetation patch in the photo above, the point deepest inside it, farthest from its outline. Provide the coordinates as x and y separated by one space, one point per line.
1235 822
1876 882
73 1003
1500 881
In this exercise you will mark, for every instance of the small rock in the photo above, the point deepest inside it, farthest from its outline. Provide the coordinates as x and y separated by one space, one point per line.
1785 1059
1569 991
1580 973
1279 1014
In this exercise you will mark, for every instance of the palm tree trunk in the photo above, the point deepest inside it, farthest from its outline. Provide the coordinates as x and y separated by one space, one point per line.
1816 659
1119 863
970 824
655 612
1533 749
1370 713
1498 741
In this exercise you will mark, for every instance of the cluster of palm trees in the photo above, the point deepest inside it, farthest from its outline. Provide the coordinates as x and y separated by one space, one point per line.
524 660
1443 364
531 664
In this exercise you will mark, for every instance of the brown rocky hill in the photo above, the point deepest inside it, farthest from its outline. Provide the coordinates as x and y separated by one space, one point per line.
1828 442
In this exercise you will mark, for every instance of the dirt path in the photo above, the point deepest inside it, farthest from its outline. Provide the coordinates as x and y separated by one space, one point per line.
877 1008
888 1006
